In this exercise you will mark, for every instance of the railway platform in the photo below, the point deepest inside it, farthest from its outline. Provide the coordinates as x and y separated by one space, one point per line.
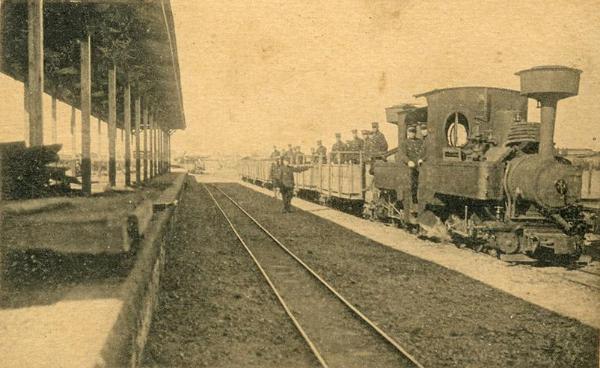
86 310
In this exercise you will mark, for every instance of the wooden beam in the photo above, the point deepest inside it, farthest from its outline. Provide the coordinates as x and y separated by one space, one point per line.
35 77
112 126
164 149
127 124
145 123
86 111
99 145
155 153
152 148
26 113
73 128
138 162
54 121
158 149
161 152
155 146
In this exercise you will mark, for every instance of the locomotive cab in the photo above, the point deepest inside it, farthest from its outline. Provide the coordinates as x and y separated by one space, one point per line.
490 175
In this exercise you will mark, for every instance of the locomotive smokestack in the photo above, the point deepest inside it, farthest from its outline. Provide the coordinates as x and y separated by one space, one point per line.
548 121
548 85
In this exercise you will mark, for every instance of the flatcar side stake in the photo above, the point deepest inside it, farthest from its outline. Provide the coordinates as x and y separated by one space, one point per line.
310 344
364 318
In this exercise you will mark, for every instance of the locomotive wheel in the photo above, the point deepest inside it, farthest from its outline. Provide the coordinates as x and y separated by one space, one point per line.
507 243
431 226
479 247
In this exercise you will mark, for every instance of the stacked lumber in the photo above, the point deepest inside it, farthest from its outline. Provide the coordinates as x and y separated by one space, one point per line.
32 172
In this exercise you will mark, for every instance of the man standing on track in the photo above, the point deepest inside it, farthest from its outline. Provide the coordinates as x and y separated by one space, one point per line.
286 182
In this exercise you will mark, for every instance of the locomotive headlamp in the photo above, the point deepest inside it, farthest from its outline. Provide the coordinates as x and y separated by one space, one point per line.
561 187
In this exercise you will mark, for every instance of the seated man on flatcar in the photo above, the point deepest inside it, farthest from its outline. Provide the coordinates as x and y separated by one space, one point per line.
367 144
275 153
355 146
380 145
289 153
298 156
321 152
338 149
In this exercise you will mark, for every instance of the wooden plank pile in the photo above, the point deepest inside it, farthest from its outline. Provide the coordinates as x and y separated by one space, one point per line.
32 172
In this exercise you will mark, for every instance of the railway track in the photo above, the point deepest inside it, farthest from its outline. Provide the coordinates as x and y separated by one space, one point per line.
585 278
337 332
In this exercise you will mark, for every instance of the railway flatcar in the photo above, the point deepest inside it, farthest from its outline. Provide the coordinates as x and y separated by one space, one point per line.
490 177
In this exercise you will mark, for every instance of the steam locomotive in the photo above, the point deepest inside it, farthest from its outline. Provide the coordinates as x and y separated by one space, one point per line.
490 179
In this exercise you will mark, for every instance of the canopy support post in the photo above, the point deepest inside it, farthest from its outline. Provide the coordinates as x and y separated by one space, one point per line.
86 111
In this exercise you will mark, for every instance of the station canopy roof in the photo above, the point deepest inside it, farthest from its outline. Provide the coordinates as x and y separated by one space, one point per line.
137 36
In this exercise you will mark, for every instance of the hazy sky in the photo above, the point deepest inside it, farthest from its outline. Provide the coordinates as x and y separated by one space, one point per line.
257 73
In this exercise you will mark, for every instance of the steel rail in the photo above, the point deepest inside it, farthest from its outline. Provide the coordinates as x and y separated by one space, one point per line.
350 306
289 313
588 272
596 287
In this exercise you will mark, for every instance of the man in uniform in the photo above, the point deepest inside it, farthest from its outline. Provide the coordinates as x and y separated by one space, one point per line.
367 145
380 145
275 153
276 176
355 145
321 152
286 182
424 131
298 156
289 153
414 159
337 149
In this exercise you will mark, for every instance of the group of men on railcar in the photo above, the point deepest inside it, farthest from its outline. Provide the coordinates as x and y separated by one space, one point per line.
372 144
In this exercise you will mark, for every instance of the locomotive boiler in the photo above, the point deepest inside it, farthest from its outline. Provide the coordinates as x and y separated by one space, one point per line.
490 178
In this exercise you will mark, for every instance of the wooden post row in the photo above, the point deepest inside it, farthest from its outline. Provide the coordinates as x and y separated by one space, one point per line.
138 162
127 124
112 126
86 110
35 79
